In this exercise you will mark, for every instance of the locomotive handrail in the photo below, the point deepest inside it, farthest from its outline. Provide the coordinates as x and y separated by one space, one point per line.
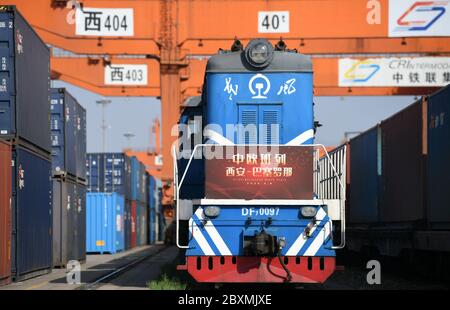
178 185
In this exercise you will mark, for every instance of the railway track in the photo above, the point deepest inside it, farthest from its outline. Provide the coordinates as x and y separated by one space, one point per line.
117 272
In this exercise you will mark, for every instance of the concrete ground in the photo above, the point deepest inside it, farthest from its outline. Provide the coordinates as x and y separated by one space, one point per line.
97 266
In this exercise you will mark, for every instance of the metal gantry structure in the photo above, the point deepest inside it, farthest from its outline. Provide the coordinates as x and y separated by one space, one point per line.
174 38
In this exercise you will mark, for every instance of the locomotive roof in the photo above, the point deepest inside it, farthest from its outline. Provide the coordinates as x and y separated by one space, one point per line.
281 62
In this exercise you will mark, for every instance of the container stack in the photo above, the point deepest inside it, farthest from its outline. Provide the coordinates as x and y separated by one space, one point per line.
139 199
68 136
152 209
122 203
26 206
110 190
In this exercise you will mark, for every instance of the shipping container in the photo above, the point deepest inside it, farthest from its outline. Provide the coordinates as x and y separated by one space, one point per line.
142 223
133 224
143 189
109 172
105 223
68 134
403 165
138 180
5 212
365 173
31 213
151 209
69 222
25 75
80 248
439 157
95 173
117 173
127 224
81 144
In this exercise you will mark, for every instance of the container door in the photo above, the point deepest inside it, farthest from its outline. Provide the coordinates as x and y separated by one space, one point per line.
58 132
7 87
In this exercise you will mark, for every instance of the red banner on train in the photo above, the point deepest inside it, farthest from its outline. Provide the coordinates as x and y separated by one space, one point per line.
257 173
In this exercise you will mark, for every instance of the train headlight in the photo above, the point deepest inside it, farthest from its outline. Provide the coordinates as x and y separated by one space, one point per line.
308 211
259 53
212 211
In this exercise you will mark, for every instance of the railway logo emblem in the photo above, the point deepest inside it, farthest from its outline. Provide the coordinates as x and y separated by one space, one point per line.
262 85
421 15
362 71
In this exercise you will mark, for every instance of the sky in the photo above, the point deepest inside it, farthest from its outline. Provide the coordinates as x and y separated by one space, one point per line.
338 115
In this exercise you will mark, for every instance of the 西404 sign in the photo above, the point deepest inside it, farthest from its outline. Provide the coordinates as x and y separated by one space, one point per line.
104 22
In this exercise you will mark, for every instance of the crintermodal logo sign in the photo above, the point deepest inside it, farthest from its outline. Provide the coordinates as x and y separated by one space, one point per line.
395 71
410 18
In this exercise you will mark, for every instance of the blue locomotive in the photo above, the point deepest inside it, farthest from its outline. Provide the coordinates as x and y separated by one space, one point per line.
267 214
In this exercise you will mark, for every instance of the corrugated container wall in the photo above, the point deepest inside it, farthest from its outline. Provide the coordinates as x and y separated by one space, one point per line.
135 180
439 157
32 214
133 234
105 223
5 212
365 173
25 74
403 165
63 136
143 189
81 144
80 249
109 172
95 171
142 223
151 209
69 222
68 126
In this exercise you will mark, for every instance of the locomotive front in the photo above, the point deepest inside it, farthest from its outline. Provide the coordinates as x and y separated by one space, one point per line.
261 215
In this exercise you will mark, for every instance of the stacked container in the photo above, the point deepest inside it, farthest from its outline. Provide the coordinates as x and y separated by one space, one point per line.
68 127
139 196
152 203
25 123
365 173
438 177
105 223
5 212
403 165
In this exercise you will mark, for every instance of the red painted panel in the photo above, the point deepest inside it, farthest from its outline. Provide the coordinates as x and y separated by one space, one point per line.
133 224
217 269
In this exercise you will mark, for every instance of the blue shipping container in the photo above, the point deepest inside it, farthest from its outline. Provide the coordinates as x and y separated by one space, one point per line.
81 143
135 179
64 133
105 223
438 157
95 173
32 213
25 82
109 172
365 175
